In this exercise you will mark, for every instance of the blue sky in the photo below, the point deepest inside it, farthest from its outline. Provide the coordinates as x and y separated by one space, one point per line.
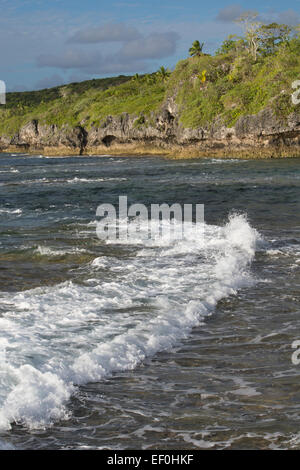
45 43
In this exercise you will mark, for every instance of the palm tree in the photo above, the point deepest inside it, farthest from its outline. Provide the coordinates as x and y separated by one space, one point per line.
163 73
196 49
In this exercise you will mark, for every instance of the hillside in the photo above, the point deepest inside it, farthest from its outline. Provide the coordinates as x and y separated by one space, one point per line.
229 98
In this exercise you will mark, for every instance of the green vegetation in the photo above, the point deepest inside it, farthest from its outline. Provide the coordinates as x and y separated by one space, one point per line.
20 108
196 49
163 73
245 75
87 102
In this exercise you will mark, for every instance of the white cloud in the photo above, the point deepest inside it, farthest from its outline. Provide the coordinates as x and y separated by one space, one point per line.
230 13
69 59
132 56
106 33
154 46
289 17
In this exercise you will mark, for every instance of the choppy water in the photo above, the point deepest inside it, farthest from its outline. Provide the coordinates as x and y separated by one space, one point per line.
174 345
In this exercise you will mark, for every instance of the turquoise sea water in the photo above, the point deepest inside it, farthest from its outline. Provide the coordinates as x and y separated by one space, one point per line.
170 345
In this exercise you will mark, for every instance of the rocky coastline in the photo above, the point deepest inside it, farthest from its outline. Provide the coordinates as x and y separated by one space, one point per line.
262 135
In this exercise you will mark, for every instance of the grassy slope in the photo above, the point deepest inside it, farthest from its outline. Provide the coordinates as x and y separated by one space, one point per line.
234 86
87 102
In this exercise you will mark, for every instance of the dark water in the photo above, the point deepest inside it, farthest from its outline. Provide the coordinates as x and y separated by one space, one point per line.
75 311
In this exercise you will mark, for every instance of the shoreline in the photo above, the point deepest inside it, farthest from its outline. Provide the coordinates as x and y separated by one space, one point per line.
172 151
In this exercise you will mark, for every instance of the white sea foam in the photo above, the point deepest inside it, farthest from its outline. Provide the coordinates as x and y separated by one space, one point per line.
67 181
5 210
94 180
11 170
55 338
227 160
48 251
290 249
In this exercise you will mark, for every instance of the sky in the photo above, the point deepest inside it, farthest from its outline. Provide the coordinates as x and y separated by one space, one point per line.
45 43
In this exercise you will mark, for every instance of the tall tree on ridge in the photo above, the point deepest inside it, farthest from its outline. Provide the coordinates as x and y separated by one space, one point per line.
251 26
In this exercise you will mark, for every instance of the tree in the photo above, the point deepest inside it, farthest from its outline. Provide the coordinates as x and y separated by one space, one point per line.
234 45
196 49
251 26
228 45
163 73
272 35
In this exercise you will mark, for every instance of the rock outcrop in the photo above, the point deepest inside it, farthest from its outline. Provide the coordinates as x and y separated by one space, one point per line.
36 136
252 134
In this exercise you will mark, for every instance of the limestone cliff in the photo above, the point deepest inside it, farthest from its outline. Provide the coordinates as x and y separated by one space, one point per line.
261 134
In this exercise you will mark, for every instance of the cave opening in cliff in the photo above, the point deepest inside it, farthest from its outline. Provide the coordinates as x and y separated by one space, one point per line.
108 139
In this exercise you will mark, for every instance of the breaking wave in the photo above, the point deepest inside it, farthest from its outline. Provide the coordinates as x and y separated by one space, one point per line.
56 338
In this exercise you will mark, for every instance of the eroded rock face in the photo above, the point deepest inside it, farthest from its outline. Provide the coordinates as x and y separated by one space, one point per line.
37 136
265 129
162 129
4 142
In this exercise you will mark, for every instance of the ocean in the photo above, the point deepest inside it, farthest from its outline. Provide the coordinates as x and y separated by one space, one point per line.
149 344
